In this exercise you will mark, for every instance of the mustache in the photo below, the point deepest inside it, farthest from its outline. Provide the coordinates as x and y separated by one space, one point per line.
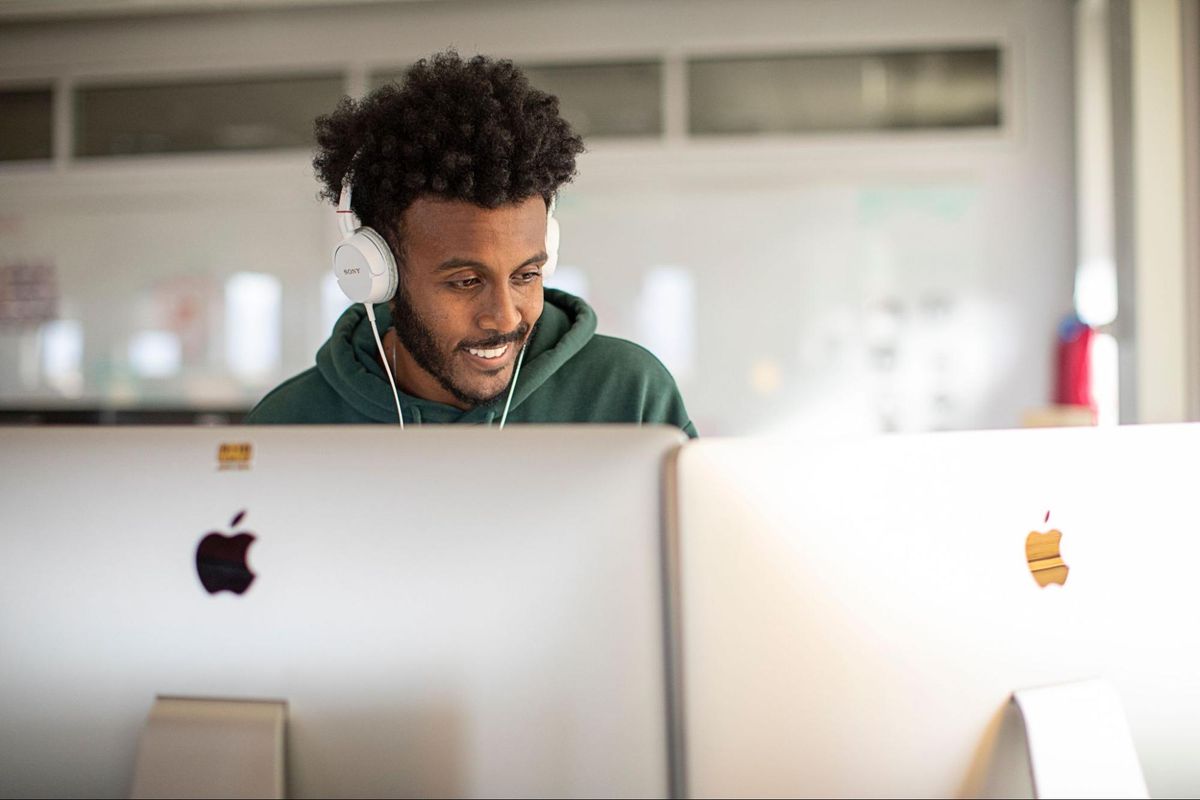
499 341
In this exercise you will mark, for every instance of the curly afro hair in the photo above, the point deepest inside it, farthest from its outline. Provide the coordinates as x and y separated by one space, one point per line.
472 130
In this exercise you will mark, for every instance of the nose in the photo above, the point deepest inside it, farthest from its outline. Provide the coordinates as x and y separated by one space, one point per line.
500 312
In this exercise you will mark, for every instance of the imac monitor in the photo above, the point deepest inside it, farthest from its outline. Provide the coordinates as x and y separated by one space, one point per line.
445 611
856 615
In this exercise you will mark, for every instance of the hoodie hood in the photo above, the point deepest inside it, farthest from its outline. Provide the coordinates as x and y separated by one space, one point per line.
348 361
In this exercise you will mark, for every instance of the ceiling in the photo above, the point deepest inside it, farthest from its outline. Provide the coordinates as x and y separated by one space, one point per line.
59 10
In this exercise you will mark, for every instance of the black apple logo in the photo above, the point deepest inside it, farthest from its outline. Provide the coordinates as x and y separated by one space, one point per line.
221 560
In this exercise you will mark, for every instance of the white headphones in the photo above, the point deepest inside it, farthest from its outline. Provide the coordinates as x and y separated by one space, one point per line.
366 269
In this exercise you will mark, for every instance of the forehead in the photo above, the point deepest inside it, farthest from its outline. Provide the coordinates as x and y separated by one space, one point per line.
436 227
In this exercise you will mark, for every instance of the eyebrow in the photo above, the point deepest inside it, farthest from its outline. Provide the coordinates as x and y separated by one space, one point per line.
458 263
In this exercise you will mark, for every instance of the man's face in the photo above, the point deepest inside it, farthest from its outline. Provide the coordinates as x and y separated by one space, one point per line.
470 294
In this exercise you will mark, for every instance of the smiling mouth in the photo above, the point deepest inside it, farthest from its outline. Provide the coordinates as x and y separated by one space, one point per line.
488 354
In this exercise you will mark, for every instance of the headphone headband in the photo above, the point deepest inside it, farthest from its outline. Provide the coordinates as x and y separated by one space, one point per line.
347 222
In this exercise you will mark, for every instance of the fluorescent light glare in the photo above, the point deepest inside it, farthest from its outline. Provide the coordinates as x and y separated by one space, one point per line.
62 355
666 318
155 354
1096 292
253 330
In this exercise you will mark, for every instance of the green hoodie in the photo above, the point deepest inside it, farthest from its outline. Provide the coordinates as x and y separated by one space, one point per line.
570 375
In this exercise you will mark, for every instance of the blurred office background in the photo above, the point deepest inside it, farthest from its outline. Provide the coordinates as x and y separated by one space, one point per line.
824 216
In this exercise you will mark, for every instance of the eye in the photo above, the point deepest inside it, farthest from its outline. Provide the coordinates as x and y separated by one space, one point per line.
527 276
465 283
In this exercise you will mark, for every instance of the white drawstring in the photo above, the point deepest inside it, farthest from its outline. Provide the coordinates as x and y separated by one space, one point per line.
383 358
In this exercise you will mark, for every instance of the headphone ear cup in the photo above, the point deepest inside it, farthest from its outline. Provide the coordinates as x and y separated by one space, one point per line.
365 268
552 238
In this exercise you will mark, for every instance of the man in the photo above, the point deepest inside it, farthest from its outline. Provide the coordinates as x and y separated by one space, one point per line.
456 169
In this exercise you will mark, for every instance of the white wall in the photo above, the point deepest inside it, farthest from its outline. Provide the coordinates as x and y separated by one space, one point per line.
809 259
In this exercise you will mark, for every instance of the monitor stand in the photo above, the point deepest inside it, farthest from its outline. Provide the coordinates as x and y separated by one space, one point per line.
211 748
1079 741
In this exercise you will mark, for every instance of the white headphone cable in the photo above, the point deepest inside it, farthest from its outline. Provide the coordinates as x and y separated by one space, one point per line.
383 358
513 386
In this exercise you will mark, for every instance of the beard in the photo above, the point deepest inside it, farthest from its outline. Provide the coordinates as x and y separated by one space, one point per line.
419 340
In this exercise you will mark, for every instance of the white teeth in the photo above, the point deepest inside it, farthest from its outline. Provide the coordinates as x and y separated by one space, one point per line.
499 351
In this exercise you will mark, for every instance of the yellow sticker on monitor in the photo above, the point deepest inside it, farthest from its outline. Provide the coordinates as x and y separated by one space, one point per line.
234 455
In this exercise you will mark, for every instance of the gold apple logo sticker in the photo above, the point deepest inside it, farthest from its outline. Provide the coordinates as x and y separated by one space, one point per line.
1045 561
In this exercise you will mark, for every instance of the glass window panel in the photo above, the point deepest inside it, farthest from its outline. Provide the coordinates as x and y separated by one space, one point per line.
605 99
845 92
255 114
25 124
386 76
599 100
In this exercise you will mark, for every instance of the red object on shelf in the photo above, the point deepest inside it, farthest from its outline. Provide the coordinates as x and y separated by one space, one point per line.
1073 379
